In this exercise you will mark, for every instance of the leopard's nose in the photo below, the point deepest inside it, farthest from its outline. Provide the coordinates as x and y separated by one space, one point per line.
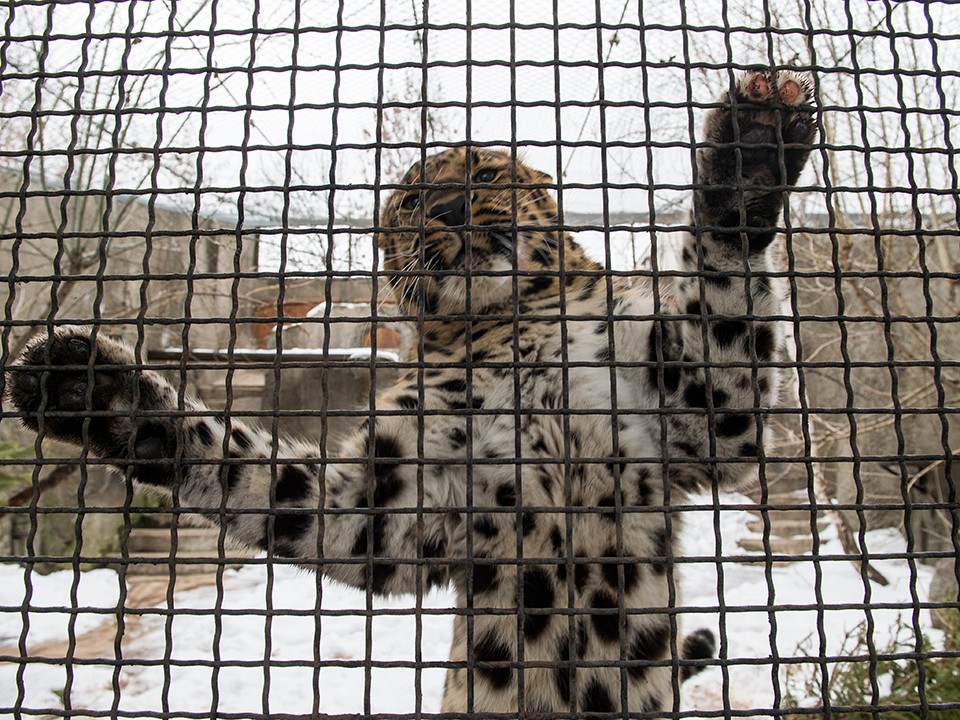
453 212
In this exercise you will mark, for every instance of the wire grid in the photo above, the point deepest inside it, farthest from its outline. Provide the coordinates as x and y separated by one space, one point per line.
202 178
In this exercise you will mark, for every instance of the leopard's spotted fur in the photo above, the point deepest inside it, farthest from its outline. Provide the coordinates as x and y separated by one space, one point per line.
508 462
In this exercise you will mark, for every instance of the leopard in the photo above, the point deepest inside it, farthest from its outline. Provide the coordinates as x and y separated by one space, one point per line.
532 453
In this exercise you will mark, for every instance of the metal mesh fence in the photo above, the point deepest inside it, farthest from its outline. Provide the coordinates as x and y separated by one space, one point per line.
528 476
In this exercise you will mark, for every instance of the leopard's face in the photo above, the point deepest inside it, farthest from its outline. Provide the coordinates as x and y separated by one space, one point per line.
468 221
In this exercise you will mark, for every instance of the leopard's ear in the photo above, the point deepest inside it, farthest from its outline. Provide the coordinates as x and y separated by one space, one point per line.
540 178
530 175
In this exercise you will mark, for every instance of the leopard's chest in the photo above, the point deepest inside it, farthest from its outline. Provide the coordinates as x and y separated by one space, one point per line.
560 415
563 470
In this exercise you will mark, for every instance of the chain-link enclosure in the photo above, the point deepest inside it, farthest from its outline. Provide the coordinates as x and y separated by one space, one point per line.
284 421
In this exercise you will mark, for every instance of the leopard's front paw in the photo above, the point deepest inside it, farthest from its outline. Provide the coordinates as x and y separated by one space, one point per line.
770 112
786 94
77 388
757 142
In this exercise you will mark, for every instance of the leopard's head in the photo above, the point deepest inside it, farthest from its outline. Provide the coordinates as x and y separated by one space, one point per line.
469 220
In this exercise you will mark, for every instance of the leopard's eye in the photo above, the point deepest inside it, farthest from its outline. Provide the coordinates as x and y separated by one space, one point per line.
485 175
411 201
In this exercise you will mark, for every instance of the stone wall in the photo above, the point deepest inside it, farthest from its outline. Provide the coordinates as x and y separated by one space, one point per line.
871 386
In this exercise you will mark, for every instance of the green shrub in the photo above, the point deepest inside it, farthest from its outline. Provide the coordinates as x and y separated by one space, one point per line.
849 685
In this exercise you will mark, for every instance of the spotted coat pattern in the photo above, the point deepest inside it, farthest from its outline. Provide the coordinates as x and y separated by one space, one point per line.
529 457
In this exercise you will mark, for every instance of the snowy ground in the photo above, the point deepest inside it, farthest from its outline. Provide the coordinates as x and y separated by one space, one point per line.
146 684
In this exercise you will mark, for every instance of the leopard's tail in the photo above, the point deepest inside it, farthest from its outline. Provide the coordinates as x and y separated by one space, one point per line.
699 645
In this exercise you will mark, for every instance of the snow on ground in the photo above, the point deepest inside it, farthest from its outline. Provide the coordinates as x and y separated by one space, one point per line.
95 590
746 622
240 678
238 632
